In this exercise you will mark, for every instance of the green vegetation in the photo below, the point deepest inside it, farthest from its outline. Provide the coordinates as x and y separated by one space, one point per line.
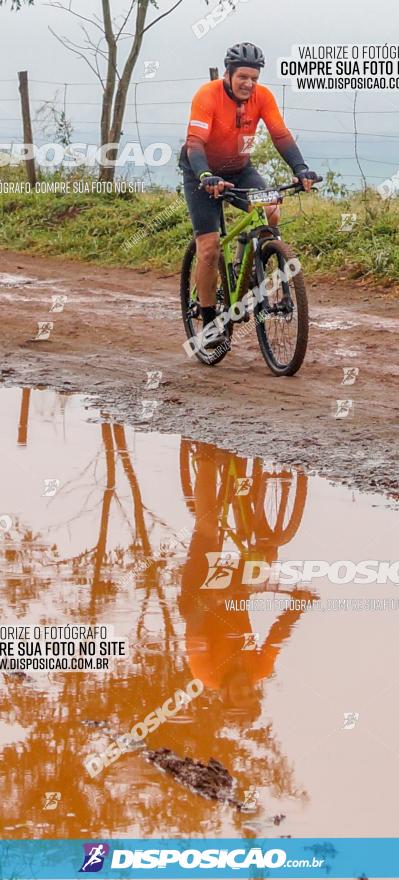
98 228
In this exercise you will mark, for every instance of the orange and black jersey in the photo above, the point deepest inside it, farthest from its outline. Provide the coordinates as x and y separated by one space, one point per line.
221 131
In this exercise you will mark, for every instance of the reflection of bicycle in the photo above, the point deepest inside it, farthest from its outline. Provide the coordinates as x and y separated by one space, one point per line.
272 509
269 268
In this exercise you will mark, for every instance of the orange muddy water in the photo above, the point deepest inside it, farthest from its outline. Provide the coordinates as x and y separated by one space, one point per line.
166 540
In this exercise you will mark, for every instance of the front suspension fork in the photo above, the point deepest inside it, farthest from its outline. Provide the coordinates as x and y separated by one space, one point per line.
285 305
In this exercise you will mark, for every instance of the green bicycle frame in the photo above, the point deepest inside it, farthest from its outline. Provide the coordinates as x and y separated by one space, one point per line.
251 221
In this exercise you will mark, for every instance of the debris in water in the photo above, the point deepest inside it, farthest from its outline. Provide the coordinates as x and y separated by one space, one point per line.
210 780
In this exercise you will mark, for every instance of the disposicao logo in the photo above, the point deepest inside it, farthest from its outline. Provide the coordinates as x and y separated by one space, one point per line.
95 854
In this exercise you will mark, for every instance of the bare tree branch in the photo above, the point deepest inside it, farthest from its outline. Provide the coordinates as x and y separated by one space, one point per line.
103 55
64 42
94 48
164 14
56 5
121 29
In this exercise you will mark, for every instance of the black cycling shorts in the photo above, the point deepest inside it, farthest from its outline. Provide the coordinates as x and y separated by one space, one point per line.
205 209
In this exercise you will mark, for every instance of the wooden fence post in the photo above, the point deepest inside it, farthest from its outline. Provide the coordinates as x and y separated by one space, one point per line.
27 125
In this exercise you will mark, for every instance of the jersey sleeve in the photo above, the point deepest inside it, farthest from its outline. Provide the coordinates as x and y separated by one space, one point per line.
201 116
279 133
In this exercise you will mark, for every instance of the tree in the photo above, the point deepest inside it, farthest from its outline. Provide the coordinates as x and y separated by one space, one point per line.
102 36
100 49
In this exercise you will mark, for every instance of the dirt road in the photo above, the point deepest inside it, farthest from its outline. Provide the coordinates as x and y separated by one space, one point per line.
118 325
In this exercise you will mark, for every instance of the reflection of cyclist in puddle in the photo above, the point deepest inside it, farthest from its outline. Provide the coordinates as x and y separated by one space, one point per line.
216 636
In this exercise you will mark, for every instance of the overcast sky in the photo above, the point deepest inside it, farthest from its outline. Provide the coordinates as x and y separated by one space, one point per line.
26 43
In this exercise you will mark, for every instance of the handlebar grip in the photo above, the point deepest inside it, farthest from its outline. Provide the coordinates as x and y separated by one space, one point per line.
300 188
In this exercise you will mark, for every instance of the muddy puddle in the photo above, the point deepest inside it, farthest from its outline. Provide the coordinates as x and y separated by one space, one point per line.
172 543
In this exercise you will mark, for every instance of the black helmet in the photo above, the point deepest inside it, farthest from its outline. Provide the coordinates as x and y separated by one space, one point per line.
244 55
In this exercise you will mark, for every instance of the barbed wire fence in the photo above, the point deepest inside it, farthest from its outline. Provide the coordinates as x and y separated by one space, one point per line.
63 97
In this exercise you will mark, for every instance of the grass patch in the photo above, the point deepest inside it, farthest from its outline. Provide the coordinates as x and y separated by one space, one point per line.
97 228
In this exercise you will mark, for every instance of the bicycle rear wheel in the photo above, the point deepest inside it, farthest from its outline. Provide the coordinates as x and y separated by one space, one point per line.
281 316
190 307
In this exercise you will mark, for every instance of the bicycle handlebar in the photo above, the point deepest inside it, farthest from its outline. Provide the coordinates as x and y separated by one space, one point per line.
295 187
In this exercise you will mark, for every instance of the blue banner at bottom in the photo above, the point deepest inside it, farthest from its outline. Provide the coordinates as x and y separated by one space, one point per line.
198 857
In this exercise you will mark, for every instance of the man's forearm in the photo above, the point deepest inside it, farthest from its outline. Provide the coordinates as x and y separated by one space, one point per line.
290 152
197 156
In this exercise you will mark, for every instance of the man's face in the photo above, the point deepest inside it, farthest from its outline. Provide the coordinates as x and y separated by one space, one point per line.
243 82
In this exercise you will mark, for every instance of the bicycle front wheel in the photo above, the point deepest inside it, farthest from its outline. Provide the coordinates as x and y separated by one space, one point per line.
281 310
190 306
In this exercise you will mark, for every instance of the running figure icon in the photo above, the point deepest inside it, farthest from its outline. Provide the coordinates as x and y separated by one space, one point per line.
94 857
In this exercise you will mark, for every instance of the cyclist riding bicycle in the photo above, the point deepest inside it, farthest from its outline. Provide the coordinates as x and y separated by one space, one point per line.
224 117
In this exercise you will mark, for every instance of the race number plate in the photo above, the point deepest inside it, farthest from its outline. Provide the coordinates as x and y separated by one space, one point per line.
264 197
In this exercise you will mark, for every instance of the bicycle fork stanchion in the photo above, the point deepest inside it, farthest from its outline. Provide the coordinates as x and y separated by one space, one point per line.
285 306
261 297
